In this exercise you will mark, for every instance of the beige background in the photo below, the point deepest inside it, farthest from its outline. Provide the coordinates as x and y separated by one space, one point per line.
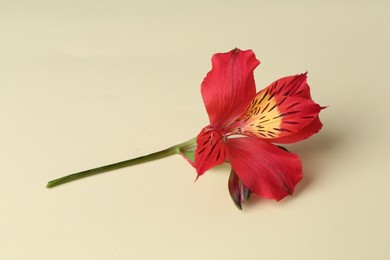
85 83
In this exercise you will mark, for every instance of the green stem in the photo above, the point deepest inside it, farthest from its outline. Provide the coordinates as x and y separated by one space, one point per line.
146 158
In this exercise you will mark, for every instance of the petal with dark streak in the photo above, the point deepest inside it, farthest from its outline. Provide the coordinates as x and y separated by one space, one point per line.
309 130
275 117
211 150
295 86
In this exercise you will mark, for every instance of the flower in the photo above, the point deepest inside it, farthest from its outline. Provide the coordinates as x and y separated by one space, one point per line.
244 127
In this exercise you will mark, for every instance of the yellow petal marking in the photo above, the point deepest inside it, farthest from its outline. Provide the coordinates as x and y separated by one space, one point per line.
261 118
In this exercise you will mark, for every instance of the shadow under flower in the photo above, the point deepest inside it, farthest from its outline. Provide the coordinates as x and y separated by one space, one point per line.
314 155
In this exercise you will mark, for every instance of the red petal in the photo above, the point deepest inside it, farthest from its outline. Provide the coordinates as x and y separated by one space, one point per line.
264 168
295 86
211 150
229 86
271 116
303 134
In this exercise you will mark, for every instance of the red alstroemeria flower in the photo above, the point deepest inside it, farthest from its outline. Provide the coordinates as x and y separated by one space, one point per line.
244 125
243 129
